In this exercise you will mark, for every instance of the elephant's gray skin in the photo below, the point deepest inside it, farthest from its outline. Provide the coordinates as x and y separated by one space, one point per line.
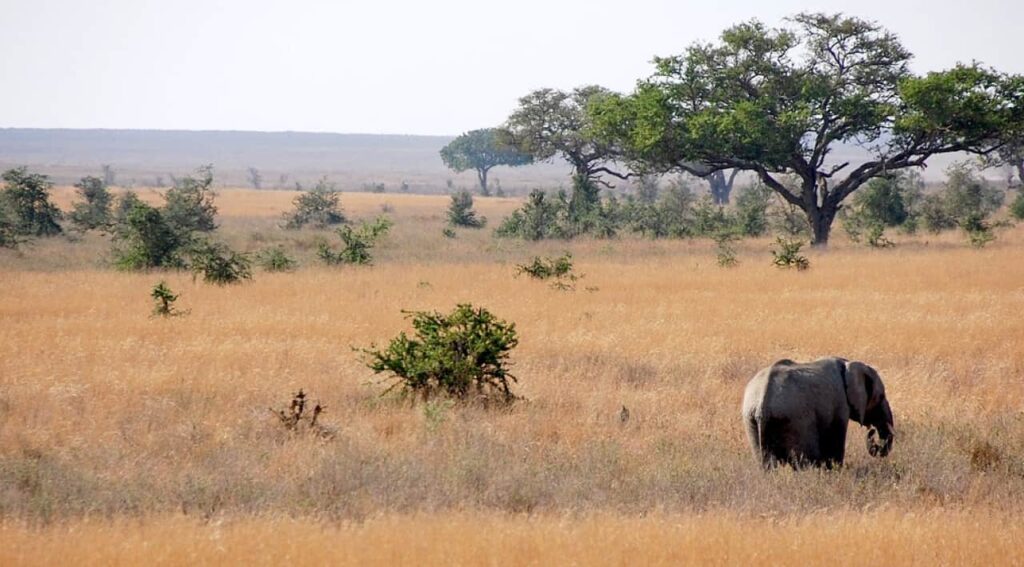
798 413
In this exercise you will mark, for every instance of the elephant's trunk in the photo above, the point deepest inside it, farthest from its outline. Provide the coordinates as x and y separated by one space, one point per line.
881 426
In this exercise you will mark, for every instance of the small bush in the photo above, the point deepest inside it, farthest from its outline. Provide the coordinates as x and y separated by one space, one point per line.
93 211
357 243
189 204
1017 206
26 199
163 301
463 355
787 255
145 240
447 232
219 264
725 253
275 260
461 213
559 270
318 207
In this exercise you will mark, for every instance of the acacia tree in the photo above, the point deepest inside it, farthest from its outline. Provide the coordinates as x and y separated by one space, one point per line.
482 150
778 101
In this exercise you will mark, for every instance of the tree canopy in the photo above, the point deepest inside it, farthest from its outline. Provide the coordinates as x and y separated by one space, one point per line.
549 123
777 102
482 150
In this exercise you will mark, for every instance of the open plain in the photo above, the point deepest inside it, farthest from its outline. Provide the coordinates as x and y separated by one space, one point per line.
129 439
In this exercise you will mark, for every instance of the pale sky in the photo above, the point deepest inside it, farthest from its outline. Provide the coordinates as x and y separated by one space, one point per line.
400 67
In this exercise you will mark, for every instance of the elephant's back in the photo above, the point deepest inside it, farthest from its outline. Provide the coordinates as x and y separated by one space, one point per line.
793 387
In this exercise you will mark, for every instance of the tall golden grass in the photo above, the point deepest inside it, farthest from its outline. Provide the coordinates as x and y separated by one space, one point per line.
134 438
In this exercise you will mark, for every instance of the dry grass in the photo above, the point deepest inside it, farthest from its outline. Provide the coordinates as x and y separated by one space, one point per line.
877 538
105 412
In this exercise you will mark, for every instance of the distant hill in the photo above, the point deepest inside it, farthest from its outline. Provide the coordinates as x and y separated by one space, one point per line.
141 157
152 157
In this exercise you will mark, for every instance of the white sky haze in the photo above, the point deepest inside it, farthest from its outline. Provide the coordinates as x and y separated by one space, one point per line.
403 67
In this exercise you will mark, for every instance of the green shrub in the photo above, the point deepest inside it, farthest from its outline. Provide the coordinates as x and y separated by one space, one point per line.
275 260
752 204
26 199
934 215
787 254
461 213
559 270
163 301
188 206
145 240
447 232
218 264
463 355
724 251
1017 206
540 218
317 207
356 243
93 211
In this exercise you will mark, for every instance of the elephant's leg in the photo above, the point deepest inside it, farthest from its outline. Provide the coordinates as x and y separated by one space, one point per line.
777 441
833 442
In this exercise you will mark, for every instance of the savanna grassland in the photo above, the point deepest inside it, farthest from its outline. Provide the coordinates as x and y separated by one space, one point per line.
129 439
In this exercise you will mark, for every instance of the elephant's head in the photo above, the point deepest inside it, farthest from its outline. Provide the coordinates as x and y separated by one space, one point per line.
869 407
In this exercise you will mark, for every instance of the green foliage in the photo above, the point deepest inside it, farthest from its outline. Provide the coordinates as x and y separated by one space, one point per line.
163 301
540 218
275 260
1017 206
462 355
967 201
93 211
752 204
559 268
122 206
188 206
9 237
318 207
146 240
461 213
787 254
26 199
725 253
356 243
218 264
778 100
482 150
447 232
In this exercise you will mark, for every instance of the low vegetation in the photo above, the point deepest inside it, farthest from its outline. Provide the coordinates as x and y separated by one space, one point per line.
463 355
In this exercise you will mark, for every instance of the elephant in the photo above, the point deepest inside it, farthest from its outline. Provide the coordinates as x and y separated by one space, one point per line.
797 413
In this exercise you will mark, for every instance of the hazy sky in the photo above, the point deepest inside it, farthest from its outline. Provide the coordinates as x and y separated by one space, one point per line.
407 67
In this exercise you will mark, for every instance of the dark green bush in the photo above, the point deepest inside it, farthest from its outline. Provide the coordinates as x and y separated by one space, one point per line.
318 207
461 213
1017 206
218 264
463 355
559 270
275 260
26 199
93 211
356 243
163 301
145 240
189 204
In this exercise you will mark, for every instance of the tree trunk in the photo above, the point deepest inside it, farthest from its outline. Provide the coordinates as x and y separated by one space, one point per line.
820 218
721 187
482 177
1020 173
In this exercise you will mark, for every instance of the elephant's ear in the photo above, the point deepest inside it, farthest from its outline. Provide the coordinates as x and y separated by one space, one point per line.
864 389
